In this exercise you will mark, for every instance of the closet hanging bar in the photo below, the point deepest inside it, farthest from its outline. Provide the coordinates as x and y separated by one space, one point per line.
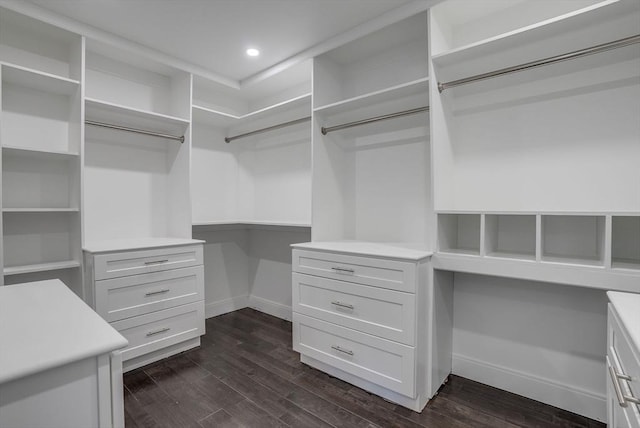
539 63
325 131
269 128
137 131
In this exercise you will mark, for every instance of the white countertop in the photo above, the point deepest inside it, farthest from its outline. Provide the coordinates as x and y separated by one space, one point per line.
45 325
627 306
136 244
403 251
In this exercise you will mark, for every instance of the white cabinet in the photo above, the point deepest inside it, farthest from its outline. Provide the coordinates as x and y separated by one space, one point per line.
153 296
60 365
365 313
623 360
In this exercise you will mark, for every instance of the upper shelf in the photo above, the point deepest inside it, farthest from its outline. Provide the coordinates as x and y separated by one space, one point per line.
595 24
38 80
102 111
221 119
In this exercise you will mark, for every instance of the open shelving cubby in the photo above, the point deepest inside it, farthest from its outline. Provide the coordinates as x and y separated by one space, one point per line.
573 239
262 179
625 242
510 236
459 233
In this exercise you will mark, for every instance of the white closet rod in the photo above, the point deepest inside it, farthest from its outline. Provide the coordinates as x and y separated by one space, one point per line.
137 131
541 62
269 128
326 130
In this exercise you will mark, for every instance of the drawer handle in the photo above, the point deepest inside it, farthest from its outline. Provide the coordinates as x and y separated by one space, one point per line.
621 397
344 351
342 305
153 293
156 262
343 270
162 330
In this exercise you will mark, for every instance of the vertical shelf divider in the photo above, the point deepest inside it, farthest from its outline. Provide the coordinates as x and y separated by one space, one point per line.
538 238
608 240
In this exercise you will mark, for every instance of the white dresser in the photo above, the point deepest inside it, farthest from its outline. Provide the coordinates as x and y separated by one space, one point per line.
59 361
364 313
151 291
623 360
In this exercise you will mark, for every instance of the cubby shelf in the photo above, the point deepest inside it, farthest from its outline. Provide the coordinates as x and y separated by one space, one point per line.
221 119
37 152
117 114
38 80
39 210
566 248
41 267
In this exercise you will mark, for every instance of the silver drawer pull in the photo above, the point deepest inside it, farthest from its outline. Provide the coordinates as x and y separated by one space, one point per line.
342 270
156 262
162 330
153 293
344 351
620 396
342 305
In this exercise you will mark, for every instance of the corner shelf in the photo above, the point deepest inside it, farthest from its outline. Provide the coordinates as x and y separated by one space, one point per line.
41 267
221 119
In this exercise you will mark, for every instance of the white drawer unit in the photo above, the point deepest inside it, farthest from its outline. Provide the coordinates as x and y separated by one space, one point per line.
153 296
365 313
386 313
623 360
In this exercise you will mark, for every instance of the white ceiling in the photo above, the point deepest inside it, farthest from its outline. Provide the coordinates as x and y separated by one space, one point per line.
213 34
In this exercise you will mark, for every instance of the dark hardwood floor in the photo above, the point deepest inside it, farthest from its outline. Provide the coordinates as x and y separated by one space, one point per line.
245 374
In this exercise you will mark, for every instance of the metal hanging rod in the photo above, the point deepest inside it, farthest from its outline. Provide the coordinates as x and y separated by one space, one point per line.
539 63
269 128
137 131
325 131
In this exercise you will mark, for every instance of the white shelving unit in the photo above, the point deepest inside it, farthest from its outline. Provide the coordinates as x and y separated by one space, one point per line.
136 185
459 233
41 139
371 182
260 179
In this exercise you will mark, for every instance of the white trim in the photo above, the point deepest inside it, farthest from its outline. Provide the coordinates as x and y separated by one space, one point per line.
270 307
574 399
213 309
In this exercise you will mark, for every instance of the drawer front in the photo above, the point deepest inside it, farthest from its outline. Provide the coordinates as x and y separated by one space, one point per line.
386 313
129 296
114 265
157 330
385 363
626 362
390 274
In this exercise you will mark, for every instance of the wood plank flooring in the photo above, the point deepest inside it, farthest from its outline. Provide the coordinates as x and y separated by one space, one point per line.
245 374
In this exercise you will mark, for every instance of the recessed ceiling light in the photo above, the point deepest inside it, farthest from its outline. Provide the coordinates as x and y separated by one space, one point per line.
253 52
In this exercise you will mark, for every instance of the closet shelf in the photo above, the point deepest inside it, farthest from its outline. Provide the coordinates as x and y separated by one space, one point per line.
38 80
40 267
377 97
115 114
37 152
136 244
239 224
576 20
220 119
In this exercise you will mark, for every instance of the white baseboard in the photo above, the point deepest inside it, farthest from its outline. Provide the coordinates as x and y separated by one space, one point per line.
567 397
270 307
213 309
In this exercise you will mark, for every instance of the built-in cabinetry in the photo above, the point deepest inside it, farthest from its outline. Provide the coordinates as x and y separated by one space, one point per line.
623 360
152 292
359 313
62 366
40 134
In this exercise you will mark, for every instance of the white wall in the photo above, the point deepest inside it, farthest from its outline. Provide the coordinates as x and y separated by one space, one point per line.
541 340
249 267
